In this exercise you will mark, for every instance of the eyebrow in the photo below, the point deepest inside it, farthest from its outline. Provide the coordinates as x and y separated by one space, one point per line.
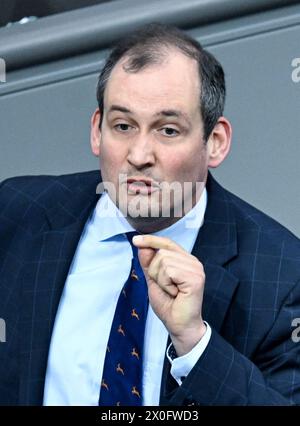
166 112
120 109
173 113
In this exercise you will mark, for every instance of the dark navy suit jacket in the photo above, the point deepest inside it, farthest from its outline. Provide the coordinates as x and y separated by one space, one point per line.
252 293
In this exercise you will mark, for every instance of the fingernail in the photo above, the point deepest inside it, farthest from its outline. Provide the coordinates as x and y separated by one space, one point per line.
137 239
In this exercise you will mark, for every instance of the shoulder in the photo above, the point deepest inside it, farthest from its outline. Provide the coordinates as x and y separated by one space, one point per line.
256 231
40 189
31 187
250 217
25 199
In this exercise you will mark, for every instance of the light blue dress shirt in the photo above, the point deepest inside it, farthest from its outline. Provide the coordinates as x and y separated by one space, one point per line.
100 268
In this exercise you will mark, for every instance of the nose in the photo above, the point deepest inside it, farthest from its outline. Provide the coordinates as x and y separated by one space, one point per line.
141 152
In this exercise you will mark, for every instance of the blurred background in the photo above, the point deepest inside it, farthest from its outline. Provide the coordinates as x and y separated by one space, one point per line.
54 57
15 10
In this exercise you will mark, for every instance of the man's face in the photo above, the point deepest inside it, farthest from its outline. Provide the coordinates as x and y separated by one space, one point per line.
152 132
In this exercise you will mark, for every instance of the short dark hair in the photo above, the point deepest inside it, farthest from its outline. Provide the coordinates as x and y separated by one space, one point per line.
147 45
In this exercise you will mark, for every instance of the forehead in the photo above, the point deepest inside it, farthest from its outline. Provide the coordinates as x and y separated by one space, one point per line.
173 83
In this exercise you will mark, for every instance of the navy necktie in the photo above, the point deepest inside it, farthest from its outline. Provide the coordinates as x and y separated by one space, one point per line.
123 366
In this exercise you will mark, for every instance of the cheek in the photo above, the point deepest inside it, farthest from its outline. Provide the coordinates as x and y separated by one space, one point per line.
185 166
111 159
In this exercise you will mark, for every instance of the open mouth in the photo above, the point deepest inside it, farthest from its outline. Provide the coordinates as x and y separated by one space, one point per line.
141 186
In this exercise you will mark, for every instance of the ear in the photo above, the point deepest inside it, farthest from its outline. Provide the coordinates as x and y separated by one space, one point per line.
219 142
95 133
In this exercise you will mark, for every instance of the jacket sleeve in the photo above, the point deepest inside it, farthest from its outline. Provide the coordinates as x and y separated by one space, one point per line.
224 376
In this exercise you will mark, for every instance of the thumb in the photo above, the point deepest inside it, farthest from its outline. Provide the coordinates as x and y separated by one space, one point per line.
145 257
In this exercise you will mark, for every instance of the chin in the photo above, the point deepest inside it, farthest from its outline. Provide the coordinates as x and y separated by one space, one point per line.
148 225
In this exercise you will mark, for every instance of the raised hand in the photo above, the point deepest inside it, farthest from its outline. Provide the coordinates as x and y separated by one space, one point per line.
175 281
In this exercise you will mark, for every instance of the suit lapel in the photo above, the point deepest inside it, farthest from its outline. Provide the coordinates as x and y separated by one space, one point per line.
50 254
216 246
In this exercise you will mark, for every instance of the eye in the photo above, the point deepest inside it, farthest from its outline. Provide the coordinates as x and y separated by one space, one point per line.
122 127
169 131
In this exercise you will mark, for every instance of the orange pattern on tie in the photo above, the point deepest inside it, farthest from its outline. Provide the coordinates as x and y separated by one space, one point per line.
121 330
134 391
134 314
134 353
134 275
120 369
104 385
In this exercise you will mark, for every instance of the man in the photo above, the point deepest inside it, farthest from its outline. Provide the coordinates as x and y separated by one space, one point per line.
222 279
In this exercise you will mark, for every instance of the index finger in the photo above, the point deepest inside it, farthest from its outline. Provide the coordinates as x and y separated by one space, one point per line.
155 242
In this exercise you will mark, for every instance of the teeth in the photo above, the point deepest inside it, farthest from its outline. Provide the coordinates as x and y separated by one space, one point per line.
140 183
